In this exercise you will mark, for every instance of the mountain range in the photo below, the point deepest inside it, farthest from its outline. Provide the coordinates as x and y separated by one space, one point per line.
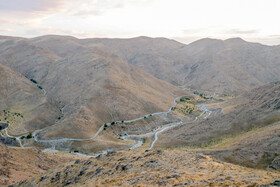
215 100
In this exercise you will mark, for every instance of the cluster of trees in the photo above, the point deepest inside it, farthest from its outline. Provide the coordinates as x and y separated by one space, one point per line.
185 99
7 115
35 82
29 136
201 95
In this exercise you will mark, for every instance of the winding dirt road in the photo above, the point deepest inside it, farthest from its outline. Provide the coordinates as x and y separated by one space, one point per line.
138 142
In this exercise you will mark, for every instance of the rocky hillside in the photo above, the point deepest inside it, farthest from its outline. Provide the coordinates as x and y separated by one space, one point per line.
23 104
156 168
92 87
17 164
229 67
246 134
222 66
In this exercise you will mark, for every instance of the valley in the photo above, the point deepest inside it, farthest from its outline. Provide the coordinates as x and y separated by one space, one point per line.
151 111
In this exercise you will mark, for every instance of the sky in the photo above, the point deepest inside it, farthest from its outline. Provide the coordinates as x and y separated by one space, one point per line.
182 20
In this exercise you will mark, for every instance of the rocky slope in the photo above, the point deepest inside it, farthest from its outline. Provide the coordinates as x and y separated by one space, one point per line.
70 87
23 104
17 164
222 66
248 132
156 168
229 67
93 87
98 88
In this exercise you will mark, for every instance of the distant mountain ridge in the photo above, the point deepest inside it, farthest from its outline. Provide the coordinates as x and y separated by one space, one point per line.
229 66
226 67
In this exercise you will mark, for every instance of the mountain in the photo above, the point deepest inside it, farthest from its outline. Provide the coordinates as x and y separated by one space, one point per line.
59 87
229 66
23 104
222 66
244 130
232 66
98 88
92 87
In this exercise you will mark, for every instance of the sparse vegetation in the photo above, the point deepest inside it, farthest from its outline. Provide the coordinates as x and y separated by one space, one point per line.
202 95
185 106
185 99
34 81
10 117
105 126
29 136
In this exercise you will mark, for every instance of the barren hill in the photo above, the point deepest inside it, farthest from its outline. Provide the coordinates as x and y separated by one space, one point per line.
222 66
17 164
246 131
90 82
98 88
23 104
92 87
156 168
229 67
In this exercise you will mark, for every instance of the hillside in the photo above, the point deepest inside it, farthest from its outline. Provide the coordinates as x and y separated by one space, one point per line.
246 131
23 104
92 87
227 67
156 168
94 96
17 164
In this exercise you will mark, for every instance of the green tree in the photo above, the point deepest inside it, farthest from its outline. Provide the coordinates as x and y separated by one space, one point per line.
29 136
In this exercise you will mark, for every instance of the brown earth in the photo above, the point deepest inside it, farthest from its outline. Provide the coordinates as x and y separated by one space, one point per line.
153 168
23 104
17 164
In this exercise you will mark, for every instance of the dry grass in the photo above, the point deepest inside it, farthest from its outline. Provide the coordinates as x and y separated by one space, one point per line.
157 168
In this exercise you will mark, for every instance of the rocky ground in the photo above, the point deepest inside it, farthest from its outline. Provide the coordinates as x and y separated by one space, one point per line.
17 164
157 168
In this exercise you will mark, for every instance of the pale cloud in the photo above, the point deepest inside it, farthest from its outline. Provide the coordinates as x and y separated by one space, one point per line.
239 31
88 13
30 5
185 20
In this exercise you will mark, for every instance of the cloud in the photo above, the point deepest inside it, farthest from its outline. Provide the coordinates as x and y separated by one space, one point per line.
100 7
184 20
88 13
240 31
30 5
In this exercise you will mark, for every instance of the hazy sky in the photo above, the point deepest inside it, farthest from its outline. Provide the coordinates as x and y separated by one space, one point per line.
183 20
